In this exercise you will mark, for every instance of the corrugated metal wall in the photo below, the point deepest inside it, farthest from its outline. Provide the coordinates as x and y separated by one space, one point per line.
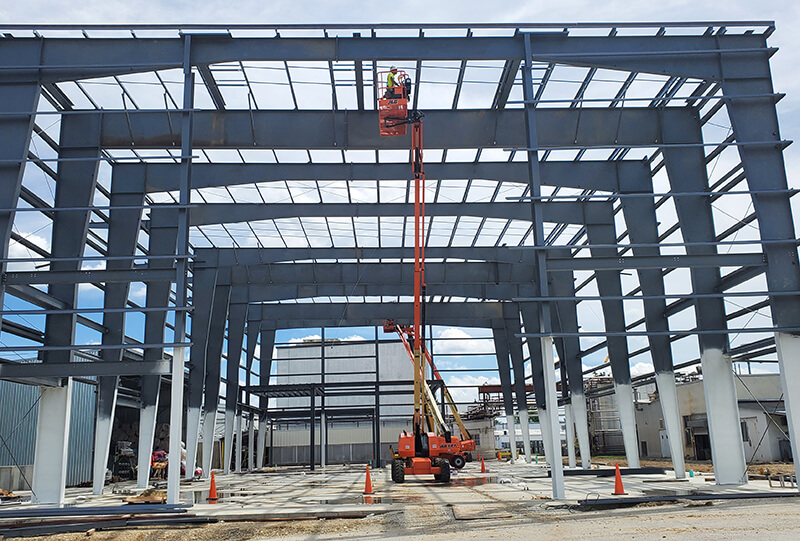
18 428
81 434
17 423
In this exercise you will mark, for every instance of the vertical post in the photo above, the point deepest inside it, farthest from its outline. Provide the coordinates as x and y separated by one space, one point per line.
641 211
570 422
376 439
179 353
501 350
566 317
311 431
251 434
238 448
541 264
264 364
517 363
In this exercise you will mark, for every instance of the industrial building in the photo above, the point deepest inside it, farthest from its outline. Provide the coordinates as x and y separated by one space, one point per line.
176 201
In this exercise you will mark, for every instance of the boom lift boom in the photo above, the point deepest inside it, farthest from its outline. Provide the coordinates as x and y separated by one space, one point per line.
421 452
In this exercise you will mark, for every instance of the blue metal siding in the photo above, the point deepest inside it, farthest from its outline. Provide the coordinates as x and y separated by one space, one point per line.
81 434
18 416
17 423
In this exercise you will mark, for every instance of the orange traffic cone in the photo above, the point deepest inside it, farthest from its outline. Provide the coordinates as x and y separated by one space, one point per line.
212 492
483 466
479 456
618 490
368 484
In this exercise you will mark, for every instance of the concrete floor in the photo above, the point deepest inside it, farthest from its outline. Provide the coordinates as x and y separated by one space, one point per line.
337 490
510 501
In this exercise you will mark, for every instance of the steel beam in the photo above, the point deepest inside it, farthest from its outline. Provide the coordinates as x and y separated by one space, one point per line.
596 175
685 56
84 369
353 130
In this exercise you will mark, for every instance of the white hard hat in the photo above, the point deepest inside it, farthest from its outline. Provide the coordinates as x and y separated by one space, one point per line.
393 68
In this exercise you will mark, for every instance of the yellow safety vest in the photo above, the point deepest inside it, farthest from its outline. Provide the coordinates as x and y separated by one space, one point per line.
390 82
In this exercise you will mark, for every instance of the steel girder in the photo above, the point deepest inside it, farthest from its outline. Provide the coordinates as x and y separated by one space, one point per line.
352 130
685 56
596 175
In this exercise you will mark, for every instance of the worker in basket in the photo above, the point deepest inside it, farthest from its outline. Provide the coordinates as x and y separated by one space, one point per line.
395 86
393 89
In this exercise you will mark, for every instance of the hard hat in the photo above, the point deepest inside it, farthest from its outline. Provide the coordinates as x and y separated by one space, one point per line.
393 68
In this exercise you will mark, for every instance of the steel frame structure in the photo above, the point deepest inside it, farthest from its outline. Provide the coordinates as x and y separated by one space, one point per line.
236 171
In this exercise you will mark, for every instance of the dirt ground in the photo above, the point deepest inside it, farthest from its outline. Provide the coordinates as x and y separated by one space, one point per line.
698 466
739 519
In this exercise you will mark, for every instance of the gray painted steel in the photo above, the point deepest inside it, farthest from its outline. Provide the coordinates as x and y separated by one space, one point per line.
703 71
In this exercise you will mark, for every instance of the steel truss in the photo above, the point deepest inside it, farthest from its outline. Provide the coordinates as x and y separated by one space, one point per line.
226 173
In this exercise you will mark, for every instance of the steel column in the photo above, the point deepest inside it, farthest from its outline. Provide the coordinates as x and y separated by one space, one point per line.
503 368
608 285
204 289
182 268
77 178
236 321
15 139
544 323
640 214
512 327
123 232
264 367
756 117
686 168
216 337
163 238
566 315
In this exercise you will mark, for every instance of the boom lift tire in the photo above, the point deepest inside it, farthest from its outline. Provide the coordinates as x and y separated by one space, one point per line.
398 470
458 461
444 477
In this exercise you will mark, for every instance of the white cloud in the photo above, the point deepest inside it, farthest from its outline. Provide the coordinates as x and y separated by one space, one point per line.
641 368
465 394
308 338
17 250
458 341
138 292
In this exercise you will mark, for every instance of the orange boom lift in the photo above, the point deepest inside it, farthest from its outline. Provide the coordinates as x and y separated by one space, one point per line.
421 452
